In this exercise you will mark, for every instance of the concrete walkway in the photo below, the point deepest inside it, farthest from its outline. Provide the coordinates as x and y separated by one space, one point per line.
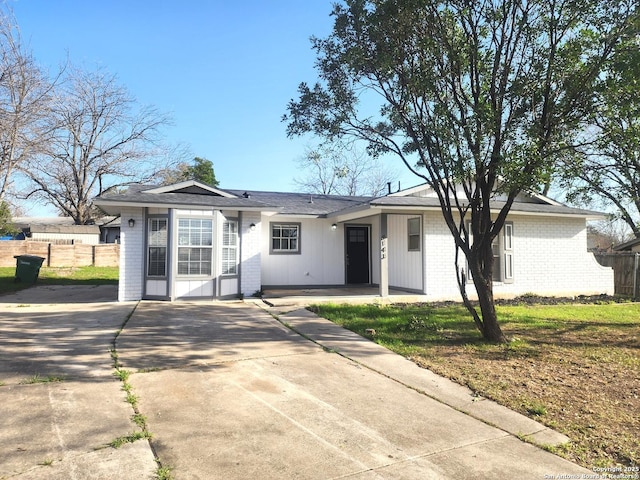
379 359
230 392
61 405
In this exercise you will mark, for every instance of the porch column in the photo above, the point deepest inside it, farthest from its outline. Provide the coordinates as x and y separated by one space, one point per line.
384 257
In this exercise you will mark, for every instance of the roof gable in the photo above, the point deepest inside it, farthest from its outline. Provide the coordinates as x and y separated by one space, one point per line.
193 187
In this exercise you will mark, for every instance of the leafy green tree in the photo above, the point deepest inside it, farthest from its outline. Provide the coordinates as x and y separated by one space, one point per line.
6 224
607 173
201 170
479 98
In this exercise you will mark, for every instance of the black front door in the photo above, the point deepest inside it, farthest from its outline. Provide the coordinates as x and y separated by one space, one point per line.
357 254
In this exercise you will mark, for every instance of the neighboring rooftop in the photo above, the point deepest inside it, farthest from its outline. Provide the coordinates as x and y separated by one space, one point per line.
627 246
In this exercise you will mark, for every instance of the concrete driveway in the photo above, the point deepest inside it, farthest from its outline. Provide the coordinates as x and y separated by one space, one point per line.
61 405
230 392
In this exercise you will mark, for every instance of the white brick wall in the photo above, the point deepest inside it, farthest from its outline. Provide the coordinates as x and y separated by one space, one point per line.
550 258
250 273
131 255
439 257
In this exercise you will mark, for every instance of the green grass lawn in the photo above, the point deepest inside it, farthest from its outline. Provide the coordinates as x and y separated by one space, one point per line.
575 368
60 276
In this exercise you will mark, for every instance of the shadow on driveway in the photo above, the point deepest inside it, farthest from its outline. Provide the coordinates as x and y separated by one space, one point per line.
50 294
162 335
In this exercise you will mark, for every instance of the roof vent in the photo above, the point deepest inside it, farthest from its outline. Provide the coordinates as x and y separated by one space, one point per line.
246 195
310 198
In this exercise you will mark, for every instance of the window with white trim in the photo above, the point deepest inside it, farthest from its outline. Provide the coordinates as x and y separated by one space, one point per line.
195 246
285 238
157 247
502 248
230 247
413 232
507 252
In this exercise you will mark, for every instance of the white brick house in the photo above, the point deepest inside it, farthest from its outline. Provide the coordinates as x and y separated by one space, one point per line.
192 241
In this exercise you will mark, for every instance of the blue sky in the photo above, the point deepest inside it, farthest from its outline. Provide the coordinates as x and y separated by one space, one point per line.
223 70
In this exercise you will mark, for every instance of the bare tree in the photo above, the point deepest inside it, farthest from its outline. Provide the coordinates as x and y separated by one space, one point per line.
336 168
101 140
25 95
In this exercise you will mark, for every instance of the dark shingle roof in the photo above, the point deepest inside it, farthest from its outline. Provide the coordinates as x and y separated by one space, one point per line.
627 245
304 203
138 197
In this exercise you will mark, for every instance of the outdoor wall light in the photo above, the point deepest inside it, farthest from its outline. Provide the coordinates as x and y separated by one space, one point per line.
334 227
252 227
132 222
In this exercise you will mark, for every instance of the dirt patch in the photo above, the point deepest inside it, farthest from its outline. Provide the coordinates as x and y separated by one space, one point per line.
580 299
572 364
585 384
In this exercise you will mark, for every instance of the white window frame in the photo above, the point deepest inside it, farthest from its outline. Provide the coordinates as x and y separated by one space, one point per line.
156 240
229 261
191 240
507 253
418 234
282 226
504 253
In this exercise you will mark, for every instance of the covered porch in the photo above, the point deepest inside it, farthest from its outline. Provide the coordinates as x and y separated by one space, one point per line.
301 297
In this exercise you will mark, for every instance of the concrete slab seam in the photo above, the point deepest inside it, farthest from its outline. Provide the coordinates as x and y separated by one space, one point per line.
131 398
422 456
526 438
298 424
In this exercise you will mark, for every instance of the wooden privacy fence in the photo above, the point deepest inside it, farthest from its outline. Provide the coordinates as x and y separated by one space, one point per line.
625 271
78 255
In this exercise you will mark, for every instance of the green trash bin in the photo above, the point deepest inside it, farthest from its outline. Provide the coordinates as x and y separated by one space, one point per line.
28 268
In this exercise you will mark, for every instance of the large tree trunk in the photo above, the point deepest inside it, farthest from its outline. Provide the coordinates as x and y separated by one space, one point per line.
491 329
481 272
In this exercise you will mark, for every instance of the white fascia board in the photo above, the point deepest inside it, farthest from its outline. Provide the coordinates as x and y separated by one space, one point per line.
588 217
182 206
411 190
300 215
545 199
352 215
347 216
